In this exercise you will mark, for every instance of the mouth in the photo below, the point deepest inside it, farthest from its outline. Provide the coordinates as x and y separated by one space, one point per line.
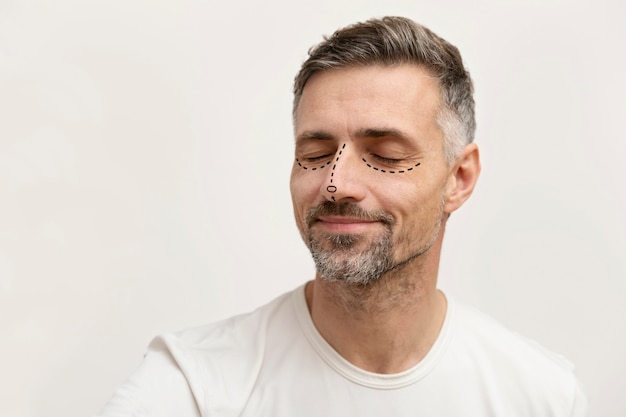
345 225
347 217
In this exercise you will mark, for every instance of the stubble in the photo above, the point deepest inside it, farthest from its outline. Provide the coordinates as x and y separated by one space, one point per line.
350 258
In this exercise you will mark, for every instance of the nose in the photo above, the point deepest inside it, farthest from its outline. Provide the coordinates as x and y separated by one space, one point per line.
342 181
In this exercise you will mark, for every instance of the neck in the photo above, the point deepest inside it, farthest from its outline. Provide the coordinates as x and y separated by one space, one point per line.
386 326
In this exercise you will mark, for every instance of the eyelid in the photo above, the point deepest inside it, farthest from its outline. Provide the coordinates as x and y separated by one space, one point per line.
312 150
317 158
387 159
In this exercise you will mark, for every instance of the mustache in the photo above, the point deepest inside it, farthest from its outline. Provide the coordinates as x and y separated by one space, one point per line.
353 210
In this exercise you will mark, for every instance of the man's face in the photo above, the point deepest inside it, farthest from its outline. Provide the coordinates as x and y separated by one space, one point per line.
369 177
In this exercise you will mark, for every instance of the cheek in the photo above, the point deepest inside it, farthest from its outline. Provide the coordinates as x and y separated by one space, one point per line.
304 189
304 195
305 184
397 190
296 202
411 201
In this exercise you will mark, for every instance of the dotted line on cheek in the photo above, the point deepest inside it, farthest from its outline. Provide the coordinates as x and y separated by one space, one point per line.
314 168
401 171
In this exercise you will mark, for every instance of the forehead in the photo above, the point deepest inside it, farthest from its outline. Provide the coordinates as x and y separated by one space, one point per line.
405 97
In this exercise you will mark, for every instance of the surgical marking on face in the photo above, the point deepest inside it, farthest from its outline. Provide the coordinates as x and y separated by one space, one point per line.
314 168
332 188
399 171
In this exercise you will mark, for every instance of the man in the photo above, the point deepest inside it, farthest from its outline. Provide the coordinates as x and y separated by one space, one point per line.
384 153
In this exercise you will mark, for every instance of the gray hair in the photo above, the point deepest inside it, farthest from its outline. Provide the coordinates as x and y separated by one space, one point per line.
397 40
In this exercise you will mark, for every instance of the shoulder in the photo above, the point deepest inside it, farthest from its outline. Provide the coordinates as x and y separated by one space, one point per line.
234 329
520 366
479 330
225 354
206 370
156 388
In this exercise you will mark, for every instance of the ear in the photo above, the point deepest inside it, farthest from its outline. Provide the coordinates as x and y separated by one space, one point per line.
462 178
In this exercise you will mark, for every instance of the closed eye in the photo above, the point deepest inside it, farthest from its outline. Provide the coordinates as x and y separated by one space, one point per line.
385 160
313 159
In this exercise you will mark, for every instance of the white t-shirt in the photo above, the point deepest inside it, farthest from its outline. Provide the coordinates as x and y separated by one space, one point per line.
273 362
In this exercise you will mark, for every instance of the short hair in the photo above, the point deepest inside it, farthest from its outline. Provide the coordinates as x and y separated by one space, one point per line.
395 40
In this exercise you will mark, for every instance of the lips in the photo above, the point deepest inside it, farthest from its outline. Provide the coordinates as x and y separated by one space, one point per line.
346 214
343 220
341 224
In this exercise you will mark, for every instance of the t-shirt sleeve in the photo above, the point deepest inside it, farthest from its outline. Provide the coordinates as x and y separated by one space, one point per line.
580 407
157 388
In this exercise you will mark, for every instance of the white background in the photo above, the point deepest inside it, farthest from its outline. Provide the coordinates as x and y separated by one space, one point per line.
145 149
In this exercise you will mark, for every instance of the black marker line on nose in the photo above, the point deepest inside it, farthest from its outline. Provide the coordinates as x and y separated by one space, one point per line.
333 188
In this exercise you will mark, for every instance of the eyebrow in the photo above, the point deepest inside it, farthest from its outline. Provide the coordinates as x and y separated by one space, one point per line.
381 133
361 133
314 135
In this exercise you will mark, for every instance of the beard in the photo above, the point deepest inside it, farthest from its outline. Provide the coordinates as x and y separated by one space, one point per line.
349 257
345 263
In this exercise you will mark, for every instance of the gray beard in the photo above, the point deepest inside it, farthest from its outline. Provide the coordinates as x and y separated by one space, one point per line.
343 262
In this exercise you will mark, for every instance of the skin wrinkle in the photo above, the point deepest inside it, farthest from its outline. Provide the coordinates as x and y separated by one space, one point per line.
393 135
364 301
